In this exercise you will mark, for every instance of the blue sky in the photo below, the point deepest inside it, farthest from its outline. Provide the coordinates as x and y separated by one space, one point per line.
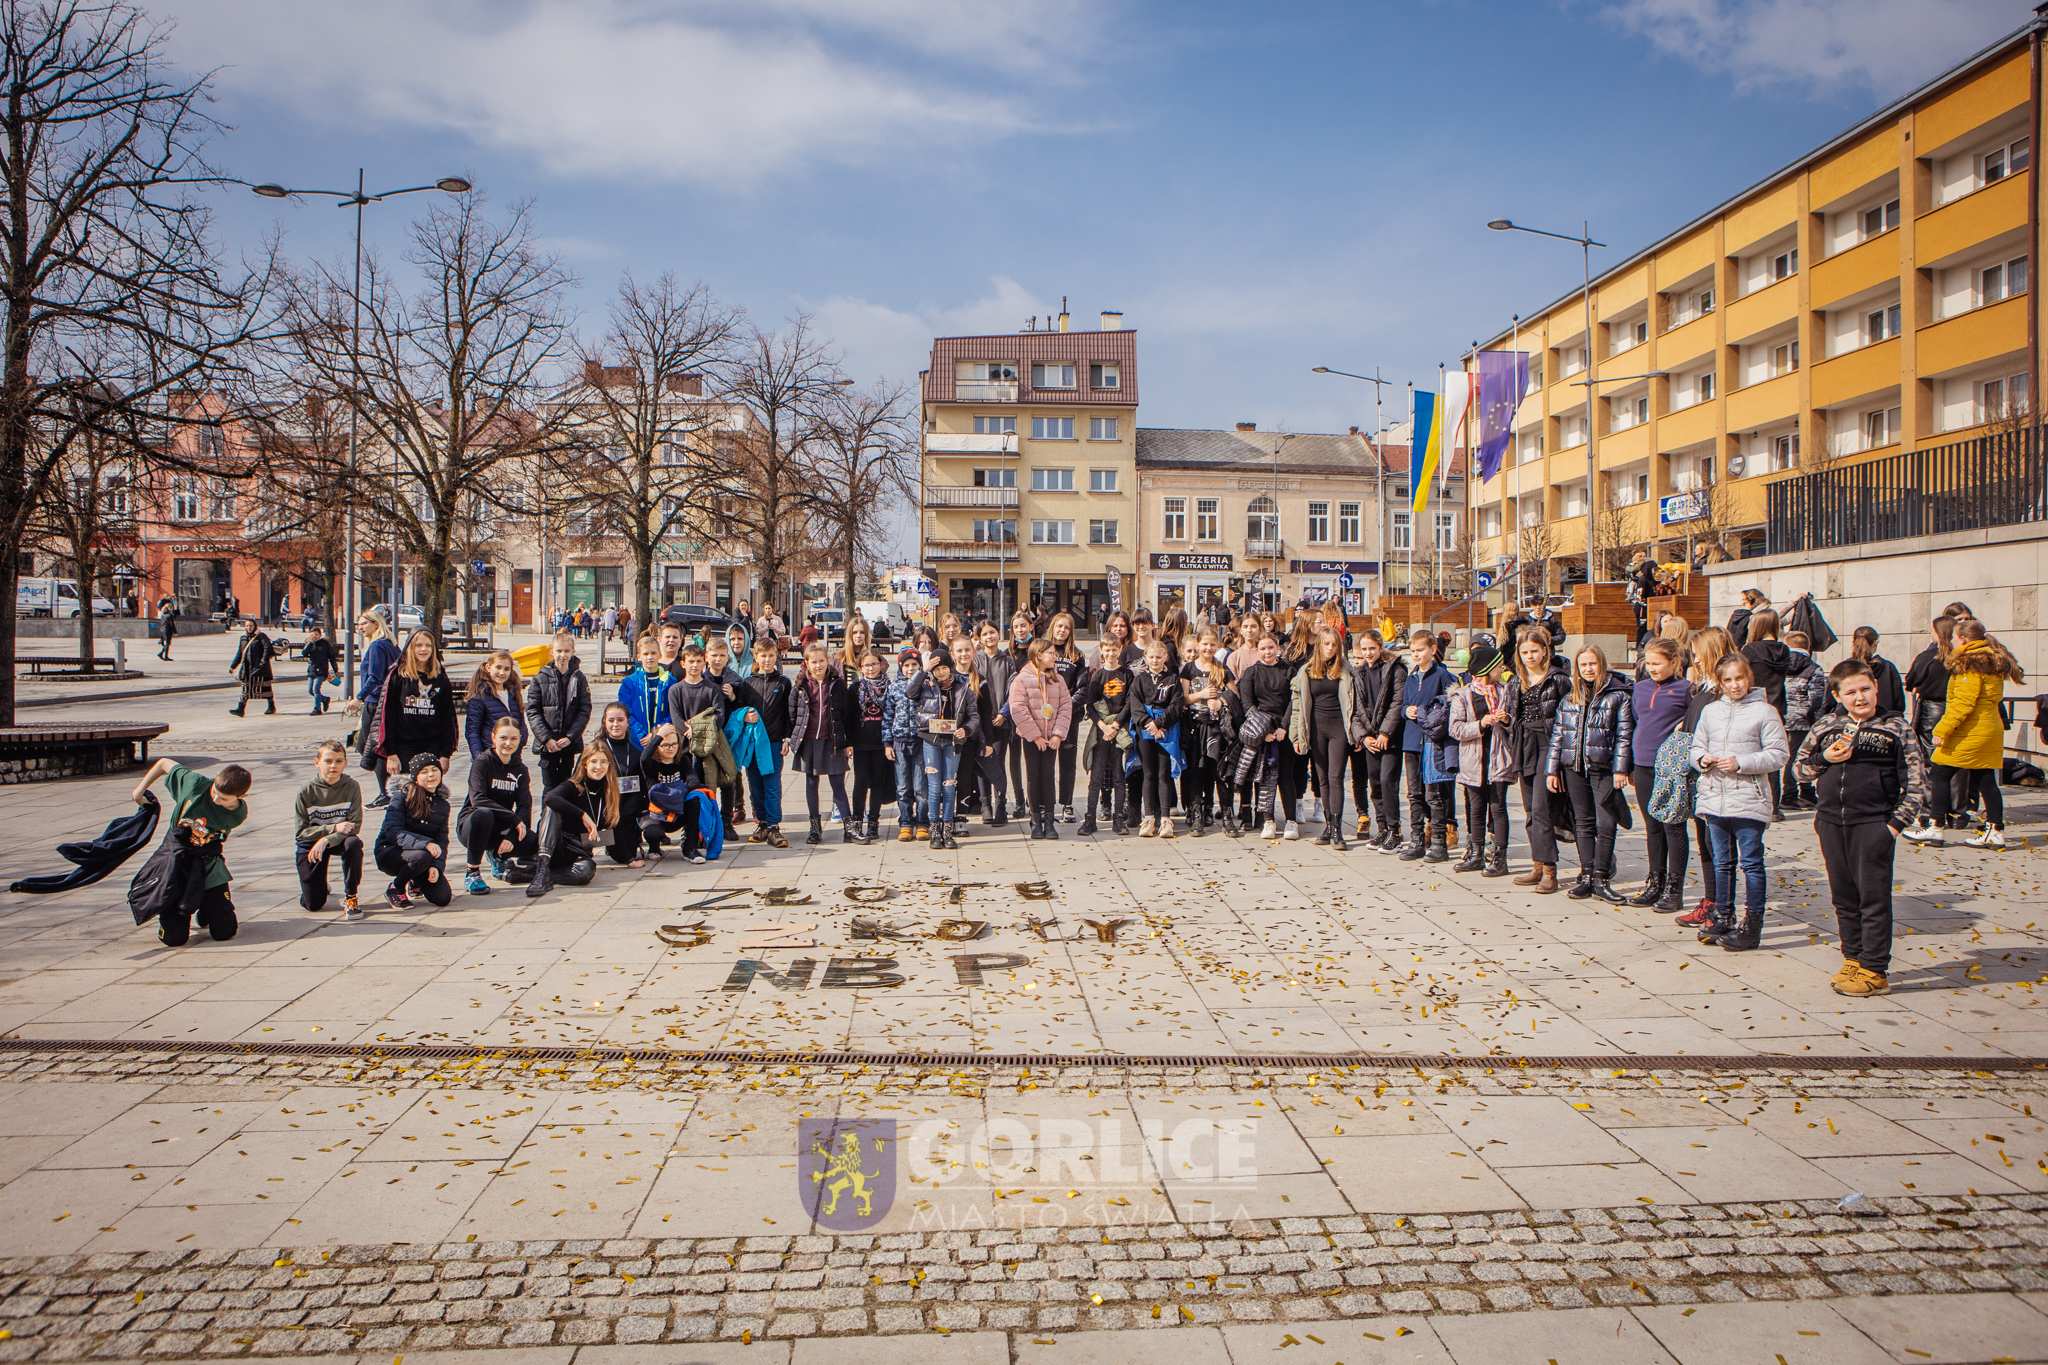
1260 189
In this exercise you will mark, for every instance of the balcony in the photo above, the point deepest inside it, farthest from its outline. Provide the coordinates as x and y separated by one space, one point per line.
970 549
1689 426
1979 216
1265 549
973 391
964 443
1968 338
1764 402
1856 270
954 495
1857 374
1770 307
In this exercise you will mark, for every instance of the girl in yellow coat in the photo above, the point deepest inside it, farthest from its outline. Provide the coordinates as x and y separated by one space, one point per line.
1971 734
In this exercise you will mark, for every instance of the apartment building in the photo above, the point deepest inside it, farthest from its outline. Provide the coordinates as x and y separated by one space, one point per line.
1245 517
1029 473
1870 298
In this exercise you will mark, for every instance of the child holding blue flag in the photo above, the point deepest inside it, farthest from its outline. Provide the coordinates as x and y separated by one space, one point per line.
1153 715
1041 707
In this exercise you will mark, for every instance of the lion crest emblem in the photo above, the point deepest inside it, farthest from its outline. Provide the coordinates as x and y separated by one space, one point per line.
846 1169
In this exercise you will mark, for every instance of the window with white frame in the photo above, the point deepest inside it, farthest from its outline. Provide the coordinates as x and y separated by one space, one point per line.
1102 481
1105 375
986 371
1102 428
1208 519
1262 519
1784 265
1490 522
1173 519
1102 531
2002 281
1050 375
1052 533
220 502
1350 527
1571 431
1529 447
1052 480
1690 305
2003 397
1052 428
2006 159
1784 359
1880 427
1404 531
990 530
1880 324
1879 219
1784 452
1531 511
995 478
1535 373
1319 523
1571 360
1398 492
1447 530
995 426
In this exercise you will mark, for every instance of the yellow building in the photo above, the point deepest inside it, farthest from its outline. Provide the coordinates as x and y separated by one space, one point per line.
1029 471
1871 298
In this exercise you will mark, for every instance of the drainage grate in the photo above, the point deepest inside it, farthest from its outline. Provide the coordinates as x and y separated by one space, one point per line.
1291 1061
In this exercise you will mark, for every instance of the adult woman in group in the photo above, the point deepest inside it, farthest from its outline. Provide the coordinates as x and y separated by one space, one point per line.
1176 631
417 715
1738 742
853 649
1971 732
1114 649
380 654
1534 693
1591 757
493 696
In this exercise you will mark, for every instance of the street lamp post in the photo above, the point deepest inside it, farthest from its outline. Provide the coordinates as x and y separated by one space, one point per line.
1586 245
1379 483
452 184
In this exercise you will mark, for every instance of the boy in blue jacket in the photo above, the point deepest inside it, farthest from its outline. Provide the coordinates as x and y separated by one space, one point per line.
644 692
899 725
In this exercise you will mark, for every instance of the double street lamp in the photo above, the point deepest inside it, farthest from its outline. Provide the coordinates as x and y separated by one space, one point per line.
358 200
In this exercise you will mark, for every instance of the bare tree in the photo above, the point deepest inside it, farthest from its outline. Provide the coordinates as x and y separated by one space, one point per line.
294 488
635 470
87 513
861 461
1535 546
1713 516
783 379
446 383
111 291
1610 534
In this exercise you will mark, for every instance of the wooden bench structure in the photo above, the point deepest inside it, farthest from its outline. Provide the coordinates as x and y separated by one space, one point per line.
41 751
38 664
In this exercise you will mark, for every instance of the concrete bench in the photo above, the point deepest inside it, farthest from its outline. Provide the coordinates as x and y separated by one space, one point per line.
43 751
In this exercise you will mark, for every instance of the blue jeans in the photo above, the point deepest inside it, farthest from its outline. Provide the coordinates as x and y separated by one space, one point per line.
767 789
941 779
913 798
1732 839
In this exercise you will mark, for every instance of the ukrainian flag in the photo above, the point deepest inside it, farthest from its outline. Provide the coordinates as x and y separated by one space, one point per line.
1425 449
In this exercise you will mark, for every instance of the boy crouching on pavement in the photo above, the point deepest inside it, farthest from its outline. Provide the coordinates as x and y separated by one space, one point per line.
329 817
1870 779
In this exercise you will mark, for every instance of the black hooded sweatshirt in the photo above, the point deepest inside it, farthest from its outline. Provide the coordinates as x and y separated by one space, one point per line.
1769 662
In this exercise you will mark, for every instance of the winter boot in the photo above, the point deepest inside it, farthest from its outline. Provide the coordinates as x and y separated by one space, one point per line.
851 832
1670 903
1323 834
1582 889
1745 935
817 834
1002 813
1603 889
1721 920
1051 826
1416 846
1474 859
1337 837
543 878
1496 863
1547 884
1439 851
1532 876
1652 892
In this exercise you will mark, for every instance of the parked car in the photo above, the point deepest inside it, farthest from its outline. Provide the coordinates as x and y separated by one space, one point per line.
411 617
54 597
694 618
830 621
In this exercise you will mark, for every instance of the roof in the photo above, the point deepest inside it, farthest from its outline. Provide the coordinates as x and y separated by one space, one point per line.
1878 119
1080 348
1302 453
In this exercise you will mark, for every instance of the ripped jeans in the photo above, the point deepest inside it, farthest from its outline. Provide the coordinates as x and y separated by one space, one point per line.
941 778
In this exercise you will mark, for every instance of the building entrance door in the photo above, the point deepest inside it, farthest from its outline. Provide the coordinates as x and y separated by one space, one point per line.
522 597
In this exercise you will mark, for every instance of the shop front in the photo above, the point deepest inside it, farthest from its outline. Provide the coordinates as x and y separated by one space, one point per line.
1200 585
1322 580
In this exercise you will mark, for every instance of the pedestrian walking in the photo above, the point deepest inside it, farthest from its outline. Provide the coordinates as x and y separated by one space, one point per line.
323 661
166 627
251 664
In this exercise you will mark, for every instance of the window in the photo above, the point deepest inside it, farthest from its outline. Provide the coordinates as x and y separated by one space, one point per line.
185 500
117 495
1571 361
987 371
1174 519
1571 431
1785 452
1398 492
1535 374
220 504
1880 428
1102 481
1105 376
1784 265
1319 523
2002 281
1642 488
1102 428
1703 387
2010 159
1635 333
1052 480
1641 409
1348 524
992 530
1691 306
1050 376
1102 531
1784 359
1881 218
995 426
1490 522
1052 533
1052 428
1404 531
1880 324
1262 519
1208 519
995 478
2002 398
1446 530
1531 447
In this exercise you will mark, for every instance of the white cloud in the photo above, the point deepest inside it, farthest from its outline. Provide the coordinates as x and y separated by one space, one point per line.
1885 46
884 342
638 88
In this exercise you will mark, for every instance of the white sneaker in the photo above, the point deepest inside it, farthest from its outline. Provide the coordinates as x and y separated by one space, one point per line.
1166 826
1271 831
1149 828
1066 815
1293 829
1988 837
1926 834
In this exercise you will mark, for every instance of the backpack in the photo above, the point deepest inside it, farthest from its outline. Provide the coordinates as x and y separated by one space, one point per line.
1675 789
1436 729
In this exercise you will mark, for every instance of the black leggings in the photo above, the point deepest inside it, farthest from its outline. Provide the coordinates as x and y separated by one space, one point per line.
839 801
1106 789
990 781
1327 752
313 876
1430 799
1198 778
1593 815
1984 786
1041 775
873 776
1486 808
1070 762
1156 770
1670 847
484 829
1379 775
409 868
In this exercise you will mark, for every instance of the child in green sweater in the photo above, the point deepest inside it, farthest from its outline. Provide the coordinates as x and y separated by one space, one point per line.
329 818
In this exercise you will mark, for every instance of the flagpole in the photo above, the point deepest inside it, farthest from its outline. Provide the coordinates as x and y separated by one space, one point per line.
1436 572
1411 489
1515 447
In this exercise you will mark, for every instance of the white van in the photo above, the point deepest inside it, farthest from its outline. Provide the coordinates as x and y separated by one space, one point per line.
886 620
54 597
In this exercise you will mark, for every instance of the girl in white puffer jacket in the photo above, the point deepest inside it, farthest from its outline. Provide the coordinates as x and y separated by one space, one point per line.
1737 744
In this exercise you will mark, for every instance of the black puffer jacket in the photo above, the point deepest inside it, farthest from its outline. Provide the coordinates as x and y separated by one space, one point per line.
1595 737
1381 714
1532 713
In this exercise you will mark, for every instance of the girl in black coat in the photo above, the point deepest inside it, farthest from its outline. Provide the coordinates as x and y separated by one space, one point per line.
1152 708
579 818
1538 687
497 818
616 734
1591 756
413 844
417 715
818 740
